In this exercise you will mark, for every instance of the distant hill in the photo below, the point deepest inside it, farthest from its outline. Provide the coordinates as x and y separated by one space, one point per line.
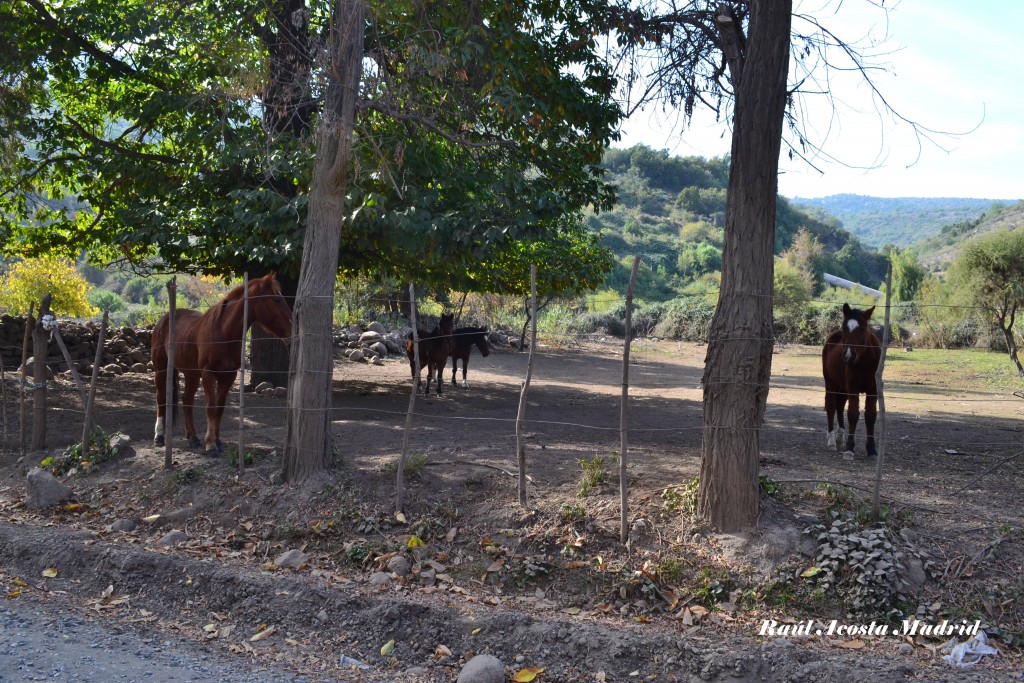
938 251
878 221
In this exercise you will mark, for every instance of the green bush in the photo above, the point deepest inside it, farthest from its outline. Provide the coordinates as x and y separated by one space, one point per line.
686 319
105 300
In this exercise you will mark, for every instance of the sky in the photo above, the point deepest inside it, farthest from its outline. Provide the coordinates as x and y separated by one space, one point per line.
949 65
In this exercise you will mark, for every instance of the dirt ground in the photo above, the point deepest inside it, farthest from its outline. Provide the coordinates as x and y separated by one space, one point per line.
550 586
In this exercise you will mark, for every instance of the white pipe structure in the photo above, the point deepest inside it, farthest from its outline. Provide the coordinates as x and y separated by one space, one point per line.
836 281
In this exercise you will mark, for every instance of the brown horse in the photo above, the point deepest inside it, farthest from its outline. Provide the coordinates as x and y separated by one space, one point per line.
849 361
463 340
208 348
433 350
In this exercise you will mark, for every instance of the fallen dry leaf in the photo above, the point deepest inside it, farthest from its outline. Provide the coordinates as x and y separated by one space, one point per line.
852 644
265 633
528 674
442 651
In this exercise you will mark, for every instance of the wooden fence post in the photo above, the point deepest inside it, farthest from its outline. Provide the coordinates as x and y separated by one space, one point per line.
39 371
400 484
90 404
30 323
876 506
521 414
171 403
624 409
241 379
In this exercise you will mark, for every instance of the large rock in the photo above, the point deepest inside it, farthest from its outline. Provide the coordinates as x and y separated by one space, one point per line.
43 490
482 669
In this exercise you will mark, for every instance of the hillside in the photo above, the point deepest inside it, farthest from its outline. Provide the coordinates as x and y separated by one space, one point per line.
878 221
938 251
671 211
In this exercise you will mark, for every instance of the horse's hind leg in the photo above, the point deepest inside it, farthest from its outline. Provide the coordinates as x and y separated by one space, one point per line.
455 368
835 397
465 362
188 400
161 407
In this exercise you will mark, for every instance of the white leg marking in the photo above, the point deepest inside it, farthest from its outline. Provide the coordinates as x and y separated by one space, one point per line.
831 439
159 430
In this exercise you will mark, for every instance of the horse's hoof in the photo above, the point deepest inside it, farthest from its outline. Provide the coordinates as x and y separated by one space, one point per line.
211 453
159 441
194 442
220 447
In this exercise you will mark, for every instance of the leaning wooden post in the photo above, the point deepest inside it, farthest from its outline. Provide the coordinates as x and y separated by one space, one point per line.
241 380
54 330
624 409
5 444
521 414
39 369
876 507
170 402
30 323
90 404
400 484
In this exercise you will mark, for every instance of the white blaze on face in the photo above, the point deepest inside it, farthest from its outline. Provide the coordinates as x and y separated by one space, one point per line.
851 325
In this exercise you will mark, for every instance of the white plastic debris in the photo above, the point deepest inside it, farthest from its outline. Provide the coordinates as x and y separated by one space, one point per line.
968 653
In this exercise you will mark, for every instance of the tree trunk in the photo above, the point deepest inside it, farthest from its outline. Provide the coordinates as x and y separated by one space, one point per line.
738 364
308 439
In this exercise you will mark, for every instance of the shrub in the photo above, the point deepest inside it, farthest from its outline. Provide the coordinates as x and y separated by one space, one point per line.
687 319
30 280
105 300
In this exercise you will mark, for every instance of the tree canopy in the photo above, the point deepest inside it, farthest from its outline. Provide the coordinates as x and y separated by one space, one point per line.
185 131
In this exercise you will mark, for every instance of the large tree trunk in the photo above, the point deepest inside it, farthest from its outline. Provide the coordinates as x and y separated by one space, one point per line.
738 364
308 440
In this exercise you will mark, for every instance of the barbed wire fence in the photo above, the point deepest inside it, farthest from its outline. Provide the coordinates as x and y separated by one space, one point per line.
262 424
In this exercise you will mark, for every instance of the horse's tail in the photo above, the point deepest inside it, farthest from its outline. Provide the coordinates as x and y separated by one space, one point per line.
174 397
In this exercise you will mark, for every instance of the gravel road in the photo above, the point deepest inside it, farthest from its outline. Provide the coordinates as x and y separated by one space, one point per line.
43 641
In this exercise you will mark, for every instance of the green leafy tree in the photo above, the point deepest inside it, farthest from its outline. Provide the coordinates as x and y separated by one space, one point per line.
907 274
991 267
27 281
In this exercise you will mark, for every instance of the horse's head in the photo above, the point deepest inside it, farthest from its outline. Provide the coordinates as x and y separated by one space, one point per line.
447 324
269 308
481 343
856 333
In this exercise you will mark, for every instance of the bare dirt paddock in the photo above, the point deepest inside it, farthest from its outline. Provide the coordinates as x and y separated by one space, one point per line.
550 586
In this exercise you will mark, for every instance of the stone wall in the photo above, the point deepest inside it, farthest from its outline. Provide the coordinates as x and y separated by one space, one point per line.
125 349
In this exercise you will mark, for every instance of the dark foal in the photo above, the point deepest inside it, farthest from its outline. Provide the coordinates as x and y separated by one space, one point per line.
849 361
433 350
463 341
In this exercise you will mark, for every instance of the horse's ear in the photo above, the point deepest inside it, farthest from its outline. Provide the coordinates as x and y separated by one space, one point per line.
868 312
846 310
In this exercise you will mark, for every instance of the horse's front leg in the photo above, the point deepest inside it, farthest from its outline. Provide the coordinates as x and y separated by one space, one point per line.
224 383
870 411
465 362
188 400
852 415
455 369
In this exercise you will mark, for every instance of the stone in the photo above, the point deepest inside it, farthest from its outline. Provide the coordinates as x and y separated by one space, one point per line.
172 538
357 355
264 387
482 669
377 327
138 367
43 490
124 525
399 565
368 338
379 348
118 442
379 578
293 559
281 392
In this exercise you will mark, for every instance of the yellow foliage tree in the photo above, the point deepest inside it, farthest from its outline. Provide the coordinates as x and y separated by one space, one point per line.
28 281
